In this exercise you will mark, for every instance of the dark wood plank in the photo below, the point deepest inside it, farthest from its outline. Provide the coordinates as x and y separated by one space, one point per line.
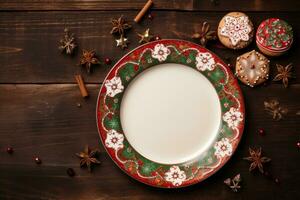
43 120
29 40
189 5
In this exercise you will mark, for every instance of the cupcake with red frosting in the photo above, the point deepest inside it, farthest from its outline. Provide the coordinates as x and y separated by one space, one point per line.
274 37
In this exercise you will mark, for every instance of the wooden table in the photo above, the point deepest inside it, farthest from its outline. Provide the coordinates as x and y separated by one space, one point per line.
38 96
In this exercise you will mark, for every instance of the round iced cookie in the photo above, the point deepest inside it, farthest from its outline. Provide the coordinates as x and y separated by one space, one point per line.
274 37
235 30
252 68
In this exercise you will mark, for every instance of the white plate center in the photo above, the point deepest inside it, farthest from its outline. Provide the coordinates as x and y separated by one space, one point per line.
170 113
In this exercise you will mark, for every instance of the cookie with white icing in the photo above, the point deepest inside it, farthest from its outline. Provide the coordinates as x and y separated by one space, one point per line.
235 30
252 68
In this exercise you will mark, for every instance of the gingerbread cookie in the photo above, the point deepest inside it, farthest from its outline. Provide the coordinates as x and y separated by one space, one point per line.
252 68
274 37
235 30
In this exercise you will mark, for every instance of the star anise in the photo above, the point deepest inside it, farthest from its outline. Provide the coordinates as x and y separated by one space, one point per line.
88 157
119 26
88 59
284 73
256 159
205 34
234 183
274 108
67 43
145 37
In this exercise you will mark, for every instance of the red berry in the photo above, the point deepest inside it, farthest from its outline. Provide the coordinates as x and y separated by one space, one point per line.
9 150
107 61
157 37
298 144
37 160
261 132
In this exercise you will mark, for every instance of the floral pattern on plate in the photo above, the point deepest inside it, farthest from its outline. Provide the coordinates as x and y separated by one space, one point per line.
205 61
114 140
223 148
160 52
233 117
114 86
175 176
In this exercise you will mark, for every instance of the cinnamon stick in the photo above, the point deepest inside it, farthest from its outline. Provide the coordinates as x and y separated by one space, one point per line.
81 85
143 11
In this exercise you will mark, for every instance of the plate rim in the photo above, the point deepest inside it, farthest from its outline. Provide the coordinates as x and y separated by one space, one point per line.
241 102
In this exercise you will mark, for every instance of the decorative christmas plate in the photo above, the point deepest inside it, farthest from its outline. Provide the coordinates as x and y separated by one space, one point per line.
170 113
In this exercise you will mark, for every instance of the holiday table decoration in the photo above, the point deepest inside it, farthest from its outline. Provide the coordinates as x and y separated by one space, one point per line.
88 59
67 43
235 30
88 157
161 171
146 7
252 68
274 37
234 183
205 34
145 37
275 109
257 160
284 74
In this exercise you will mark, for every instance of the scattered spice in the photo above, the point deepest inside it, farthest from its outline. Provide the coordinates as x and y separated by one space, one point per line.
122 42
146 7
205 34
88 59
119 26
234 183
9 150
274 108
83 91
71 172
67 43
88 157
38 160
145 37
284 74
256 159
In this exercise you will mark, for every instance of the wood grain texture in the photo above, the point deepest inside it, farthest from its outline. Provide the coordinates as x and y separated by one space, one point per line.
43 120
29 48
38 97
187 5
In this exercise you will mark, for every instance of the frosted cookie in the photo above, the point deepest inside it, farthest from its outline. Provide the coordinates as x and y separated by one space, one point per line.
252 68
235 30
274 37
